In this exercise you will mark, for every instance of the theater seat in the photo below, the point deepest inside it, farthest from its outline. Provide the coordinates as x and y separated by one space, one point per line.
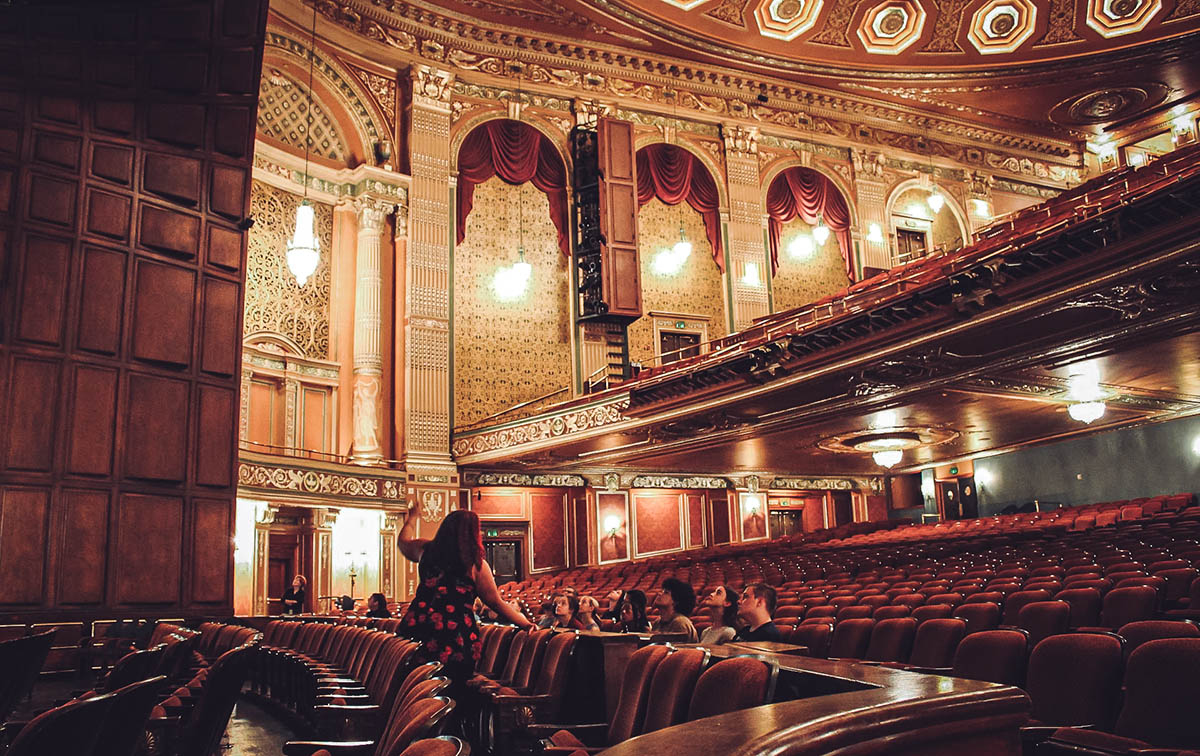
1042 619
816 637
740 682
851 638
1162 685
979 616
992 656
1144 631
1075 680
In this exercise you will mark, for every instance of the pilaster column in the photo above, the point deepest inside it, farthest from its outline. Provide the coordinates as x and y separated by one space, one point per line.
368 358
427 325
262 549
870 188
388 584
979 192
244 409
291 402
747 263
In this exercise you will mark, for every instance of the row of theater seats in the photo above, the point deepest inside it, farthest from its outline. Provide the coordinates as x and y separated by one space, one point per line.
996 245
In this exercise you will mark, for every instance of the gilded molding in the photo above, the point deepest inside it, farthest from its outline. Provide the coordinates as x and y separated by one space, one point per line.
263 477
541 429
544 480
675 481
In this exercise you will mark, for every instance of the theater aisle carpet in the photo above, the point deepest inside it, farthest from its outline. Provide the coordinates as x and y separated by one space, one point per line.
254 732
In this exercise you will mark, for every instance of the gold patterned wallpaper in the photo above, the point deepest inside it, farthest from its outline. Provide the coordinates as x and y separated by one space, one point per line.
695 290
799 282
510 352
912 203
274 301
283 114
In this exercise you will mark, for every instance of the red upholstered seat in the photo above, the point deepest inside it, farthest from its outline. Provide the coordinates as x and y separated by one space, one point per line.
891 640
816 637
931 611
1075 679
1085 605
851 638
445 745
733 684
1016 601
936 642
1143 631
672 689
979 616
631 701
1041 619
992 656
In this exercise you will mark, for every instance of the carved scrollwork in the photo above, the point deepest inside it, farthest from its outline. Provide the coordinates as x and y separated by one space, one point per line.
678 481
548 480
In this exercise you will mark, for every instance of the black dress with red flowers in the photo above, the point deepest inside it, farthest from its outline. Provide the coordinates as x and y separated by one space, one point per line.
442 620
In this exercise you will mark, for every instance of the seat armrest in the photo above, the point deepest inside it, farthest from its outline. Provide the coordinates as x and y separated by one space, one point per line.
586 732
927 670
335 747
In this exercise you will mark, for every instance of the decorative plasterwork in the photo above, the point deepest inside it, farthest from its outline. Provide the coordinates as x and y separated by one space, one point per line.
285 113
1001 26
1112 18
826 484
931 436
604 72
284 170
543 480
679 481
541 429
267 476
685 4
1054 389
891 28
786 19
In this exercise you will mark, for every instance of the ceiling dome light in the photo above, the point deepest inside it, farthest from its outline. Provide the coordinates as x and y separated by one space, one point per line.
887 458
1083 384
303 249
820 231
801 247
1086 412
936 201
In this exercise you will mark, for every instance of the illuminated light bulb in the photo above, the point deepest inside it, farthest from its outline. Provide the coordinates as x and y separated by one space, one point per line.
1086 412
886 419
668 262
751 276
511 282
682 249
801 247
1137 159
875 233
303 249
612 524
983 477
927 487
1083 384
888 457
936 201
820 232
521 269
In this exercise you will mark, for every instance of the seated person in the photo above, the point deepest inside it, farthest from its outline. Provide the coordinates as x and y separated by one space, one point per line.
377 606
546 616
755 608
483 612
674 603
612 608
633 613
586 616
722 606
566 611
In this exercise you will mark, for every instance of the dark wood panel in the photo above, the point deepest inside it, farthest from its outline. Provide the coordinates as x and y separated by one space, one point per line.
214 436
172 176
44 267
91 428
83 550
222 324
102 297
149 544
622 288
156 428
24 523
695 513
31 413
164 301
212 524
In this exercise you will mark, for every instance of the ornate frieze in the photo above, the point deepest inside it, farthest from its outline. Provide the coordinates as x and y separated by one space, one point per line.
820 484
261 475
545 480
286 171
677 481
541 429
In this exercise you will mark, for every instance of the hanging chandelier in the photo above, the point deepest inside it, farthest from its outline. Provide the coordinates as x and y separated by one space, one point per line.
801 247
668 261
820 231
304 249
1083 388
936 201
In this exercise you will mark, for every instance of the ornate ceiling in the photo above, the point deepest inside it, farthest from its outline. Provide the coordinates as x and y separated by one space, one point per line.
1055 68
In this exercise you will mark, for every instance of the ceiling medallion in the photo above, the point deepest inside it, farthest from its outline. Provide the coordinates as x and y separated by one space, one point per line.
871 440
786 19
890 28
1001 26
1106 105
1112 18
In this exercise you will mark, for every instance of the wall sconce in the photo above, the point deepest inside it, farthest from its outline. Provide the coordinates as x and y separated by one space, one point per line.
612 524
875 233
751 276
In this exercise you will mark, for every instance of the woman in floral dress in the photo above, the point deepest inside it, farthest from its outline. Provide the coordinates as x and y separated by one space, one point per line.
452 572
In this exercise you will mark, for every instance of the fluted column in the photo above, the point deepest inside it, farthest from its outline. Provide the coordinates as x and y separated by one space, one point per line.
870 189
427 306
368 357
747 263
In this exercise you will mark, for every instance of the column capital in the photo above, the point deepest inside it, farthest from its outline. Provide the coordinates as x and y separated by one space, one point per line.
868 164
371 212
589 112
432 87
740 141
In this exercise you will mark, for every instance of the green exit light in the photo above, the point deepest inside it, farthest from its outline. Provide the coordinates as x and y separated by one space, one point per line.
954 471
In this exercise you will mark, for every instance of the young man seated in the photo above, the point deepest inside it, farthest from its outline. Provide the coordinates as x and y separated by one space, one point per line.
674 603
755 609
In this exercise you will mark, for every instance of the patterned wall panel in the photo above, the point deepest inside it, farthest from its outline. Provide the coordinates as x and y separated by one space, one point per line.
612 526
695 513
695 290
283 113
798 282
500 505
658 522
548 529
274 301
508 352
126 133
720 518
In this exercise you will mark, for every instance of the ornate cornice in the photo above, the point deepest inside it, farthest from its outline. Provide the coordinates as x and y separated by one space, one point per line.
459 43
283 170
541 429
677 481
543 480
827 484
270 476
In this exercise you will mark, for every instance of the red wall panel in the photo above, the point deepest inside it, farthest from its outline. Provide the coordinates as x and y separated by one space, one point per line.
24 524
657 521
500 505
84 547
720 517
579 523
695 513
548 529
612 509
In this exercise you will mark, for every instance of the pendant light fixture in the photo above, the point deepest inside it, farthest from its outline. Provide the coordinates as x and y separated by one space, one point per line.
668 261
820 231
304 249
935 200
511 282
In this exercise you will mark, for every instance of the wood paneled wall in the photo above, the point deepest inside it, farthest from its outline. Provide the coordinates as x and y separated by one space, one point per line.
126 137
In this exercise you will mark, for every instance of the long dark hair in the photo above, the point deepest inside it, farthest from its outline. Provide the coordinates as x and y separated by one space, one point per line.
730 610
637 602
458 544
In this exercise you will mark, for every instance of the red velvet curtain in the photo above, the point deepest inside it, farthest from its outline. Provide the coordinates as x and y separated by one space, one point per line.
675 175
516 152
802 192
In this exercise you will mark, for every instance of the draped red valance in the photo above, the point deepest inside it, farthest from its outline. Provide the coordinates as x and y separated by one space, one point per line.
804 193
516 152
675 175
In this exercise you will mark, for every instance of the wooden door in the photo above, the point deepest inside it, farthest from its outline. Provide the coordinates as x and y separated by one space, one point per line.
622 288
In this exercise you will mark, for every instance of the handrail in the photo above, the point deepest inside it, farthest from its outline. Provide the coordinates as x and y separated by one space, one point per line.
324 456
514 408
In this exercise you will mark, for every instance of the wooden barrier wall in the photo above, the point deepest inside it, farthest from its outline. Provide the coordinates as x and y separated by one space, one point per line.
126 138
